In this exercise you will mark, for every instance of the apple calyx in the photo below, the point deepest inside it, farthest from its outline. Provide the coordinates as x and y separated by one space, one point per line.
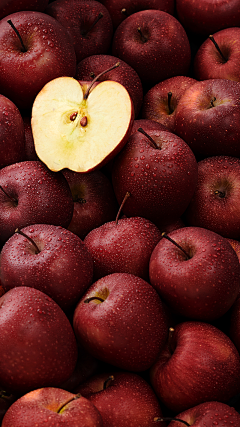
212 102
18 34
152 142
61 409
220 194
143 38
108 382
15 202
127 195
217 47
176 244
29 238
172 419
5 395
97 77
170 109
84 33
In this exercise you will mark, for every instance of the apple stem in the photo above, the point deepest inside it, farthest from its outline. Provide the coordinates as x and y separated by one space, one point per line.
153 143
85 32
108 381
217 47
127 195
98 76
169 103
124 11
176 244
143 38
11 198
93 298
212 102
172 419
219 193
18 34
29 238
77 396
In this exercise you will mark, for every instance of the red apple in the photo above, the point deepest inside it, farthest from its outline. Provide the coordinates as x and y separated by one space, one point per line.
216 202
199 364
123 246
52 407
121 320
123 399
10 6
48 258
208 118
154 43
210 63
32 194
47 53
161 100
200 277
37 344
88 23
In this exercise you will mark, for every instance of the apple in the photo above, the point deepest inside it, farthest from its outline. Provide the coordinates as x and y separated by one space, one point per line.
30 152
148 125
208 16
49 258
208 118
161 100
89 129
94 201
10 6
122 246
215 203
160 175
196 272
93 65
44 51
121 320
123 399
51 406
31 194
208 414
218 56
199 364
121 9
12 141
154 43
88 23
37 343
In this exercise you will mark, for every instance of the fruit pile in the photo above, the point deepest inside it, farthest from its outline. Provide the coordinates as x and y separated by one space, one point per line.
119 213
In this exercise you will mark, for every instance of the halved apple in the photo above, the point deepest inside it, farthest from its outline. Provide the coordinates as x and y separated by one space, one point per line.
80 130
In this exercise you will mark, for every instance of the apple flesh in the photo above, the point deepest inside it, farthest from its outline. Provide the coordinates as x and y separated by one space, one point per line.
86 132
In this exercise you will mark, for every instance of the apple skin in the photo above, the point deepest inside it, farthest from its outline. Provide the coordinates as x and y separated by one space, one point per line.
155 104
30 153
94 201
234 330
42 350
123 247
128 400
11 6
161 182
63 269
50 407
132 6
41 196
50 54
124 74
208 62
12 141
215 204
199 364
203 287
209 414
77 16
206 128
128 329
164 42
208 16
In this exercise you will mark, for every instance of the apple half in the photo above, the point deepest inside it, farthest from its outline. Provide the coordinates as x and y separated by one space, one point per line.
80 129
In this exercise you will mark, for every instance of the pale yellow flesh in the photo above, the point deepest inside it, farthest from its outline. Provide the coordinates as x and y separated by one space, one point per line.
61 143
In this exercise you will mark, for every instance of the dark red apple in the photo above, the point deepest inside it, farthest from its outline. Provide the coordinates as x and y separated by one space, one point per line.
10 6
